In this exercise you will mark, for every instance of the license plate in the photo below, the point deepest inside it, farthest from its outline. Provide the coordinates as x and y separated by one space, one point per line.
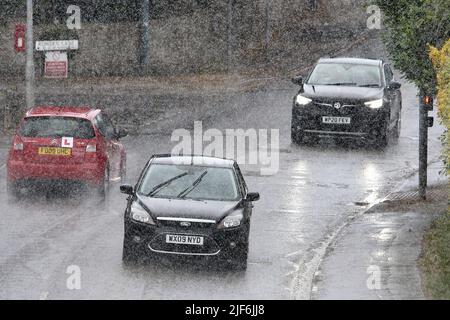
50 151
336 120
182 239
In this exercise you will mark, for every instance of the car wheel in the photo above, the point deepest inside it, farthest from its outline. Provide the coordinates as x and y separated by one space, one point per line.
123 172
130 255
13 192
297 137
382 139
102 190
397 129
239 262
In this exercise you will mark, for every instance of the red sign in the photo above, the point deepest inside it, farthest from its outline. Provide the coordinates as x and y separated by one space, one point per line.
19 37
55 64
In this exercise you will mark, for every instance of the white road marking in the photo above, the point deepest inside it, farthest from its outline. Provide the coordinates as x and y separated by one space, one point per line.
43 295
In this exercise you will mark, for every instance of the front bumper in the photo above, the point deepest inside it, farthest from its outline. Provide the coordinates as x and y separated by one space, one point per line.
20 171
150 239
364 122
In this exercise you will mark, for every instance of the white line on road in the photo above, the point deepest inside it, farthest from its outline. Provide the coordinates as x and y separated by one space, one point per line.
43 295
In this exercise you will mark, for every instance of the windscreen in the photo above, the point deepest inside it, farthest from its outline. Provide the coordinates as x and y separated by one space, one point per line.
345 74
57 127
190 182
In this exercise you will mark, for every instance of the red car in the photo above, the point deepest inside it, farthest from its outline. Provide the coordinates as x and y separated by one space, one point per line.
66 143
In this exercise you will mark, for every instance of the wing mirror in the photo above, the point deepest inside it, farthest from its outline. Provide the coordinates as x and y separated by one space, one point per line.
121 133
298 80
252 196
394 85
127 189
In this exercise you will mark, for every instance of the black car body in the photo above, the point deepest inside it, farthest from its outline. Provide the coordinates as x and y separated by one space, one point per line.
189 224
347 98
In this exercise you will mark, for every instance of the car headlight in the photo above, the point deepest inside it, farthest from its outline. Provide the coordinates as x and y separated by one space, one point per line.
374 104
140 214
301 100
232 220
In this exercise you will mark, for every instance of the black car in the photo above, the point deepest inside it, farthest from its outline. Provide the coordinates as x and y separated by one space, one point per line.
347 98
191 206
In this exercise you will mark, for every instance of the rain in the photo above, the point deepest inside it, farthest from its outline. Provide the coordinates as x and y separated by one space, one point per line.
215 150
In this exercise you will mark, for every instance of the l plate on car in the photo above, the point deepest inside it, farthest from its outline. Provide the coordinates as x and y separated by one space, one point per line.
184 239
336 120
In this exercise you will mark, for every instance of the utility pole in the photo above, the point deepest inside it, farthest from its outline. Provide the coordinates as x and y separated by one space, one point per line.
145 35
29 68
425 105
230 39
267 30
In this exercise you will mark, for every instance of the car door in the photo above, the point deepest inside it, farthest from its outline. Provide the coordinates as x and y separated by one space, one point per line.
112 145
393 96
243 186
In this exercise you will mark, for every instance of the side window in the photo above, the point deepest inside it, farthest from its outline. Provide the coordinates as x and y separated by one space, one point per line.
110 130
241 180
388 74
104 125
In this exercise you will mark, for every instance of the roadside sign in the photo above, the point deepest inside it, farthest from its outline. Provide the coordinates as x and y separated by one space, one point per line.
19 37
55 64
57 45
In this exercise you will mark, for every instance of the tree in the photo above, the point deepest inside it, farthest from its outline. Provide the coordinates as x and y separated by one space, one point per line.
411 26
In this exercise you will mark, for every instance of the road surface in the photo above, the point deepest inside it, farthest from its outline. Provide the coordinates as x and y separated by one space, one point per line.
316 190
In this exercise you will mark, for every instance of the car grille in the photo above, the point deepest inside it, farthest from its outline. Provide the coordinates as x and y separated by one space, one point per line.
186 224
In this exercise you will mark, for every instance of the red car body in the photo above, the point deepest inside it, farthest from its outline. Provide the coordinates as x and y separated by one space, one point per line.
96 156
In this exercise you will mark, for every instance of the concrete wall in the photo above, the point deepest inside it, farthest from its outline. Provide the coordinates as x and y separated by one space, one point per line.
199 42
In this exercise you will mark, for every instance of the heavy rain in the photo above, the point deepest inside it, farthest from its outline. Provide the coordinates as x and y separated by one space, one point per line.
224 150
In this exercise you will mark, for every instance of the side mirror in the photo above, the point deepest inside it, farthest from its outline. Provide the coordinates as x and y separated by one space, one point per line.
252 196
394 85
121 133
298 80
127 189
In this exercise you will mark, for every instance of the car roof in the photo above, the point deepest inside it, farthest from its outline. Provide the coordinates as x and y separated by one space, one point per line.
373 62
195 160
83 112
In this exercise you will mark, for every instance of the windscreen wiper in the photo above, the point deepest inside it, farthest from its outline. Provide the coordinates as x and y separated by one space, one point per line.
341 84
377 85
197 181
164 184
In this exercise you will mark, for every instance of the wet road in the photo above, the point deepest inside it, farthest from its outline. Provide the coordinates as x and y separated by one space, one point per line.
316 190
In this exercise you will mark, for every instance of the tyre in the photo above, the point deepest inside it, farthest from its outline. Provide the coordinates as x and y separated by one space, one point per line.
13 192
397 129
382 140
102 190
239 261
130 254
297 136
123 172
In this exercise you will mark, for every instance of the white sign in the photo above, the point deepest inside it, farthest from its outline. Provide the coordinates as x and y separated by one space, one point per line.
56 65
57 45
67 142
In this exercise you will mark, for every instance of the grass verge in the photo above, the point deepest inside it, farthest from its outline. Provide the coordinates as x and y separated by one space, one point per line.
435 262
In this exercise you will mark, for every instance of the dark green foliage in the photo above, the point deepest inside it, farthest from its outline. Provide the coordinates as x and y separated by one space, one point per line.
410 26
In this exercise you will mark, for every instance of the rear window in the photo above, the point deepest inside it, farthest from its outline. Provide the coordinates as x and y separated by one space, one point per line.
57 127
